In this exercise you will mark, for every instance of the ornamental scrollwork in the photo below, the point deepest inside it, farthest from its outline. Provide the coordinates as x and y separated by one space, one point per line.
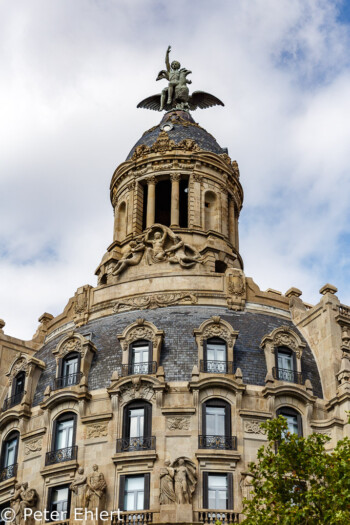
283 336
141 329
20 365
137 390
34 445
216 327
145 302
253 427
178 423
163 144
97 430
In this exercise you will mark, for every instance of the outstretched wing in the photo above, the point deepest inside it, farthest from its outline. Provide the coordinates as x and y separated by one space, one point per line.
152 102
200 99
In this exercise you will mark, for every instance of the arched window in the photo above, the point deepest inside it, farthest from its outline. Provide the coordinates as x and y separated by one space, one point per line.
216 425
215 356
121 221
140 358
137 427
9 454
293 420
210 211
63 446
286 367
69 370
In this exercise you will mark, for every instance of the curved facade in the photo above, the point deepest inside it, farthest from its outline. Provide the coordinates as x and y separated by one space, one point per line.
146 393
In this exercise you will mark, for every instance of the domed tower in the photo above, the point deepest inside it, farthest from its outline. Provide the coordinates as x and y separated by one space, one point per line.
146 394
176 201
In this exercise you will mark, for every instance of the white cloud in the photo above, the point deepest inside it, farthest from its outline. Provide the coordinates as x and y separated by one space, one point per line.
71 76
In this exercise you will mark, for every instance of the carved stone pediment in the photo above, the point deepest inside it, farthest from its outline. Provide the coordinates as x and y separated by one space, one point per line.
73 342
216 327
140 329
283 336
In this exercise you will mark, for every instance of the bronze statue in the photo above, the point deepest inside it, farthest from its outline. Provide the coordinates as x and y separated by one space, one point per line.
176 95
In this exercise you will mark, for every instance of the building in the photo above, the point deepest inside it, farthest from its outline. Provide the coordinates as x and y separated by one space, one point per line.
147 391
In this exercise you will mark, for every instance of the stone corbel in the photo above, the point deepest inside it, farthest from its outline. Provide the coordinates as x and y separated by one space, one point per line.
235 288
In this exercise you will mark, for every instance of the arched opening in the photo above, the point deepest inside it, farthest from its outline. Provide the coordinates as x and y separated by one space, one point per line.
184 203
210 211
63 446
9 453
216 425
121 222
163 202
220 267
293 418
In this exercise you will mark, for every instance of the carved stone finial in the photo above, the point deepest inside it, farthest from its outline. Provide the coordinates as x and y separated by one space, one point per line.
293 292
2 324
328 288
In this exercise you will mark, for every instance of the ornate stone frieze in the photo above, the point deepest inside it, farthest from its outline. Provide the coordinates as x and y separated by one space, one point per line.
158 245
97 430
145 302
163 144
136 390
253 426
34 445
178 422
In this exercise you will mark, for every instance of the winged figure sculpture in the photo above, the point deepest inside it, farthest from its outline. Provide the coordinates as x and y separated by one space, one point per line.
176 95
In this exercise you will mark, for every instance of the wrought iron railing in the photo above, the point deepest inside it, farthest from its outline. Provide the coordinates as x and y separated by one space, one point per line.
68 380
61 455
210 517
135 517
133 444
216 367
291 376
12 401
218 442
8 472
148 367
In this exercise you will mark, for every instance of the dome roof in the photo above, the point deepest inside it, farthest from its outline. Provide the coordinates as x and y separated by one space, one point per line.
179 352
181 126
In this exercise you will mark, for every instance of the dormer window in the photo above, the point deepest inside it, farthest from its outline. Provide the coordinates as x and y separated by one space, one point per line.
140 357
69 371
285 369
215 356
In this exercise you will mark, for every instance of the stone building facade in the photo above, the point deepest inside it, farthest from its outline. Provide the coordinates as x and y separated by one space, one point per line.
147 392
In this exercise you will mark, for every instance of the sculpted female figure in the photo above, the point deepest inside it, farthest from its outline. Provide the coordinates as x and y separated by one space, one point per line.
167 493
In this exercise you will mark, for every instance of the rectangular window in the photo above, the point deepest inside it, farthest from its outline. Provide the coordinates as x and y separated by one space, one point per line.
217 491
140 359
64 434
134 493
285 364
215 421
59 503
216 357
70 371
136 419
10 452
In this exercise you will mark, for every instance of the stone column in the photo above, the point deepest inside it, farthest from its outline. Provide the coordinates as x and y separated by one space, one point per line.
231 221
151 201
175 199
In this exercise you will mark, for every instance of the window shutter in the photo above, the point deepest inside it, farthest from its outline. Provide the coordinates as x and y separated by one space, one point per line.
300 425
60 367
294 362
205 357
126 423
74 429
130 361
204 419
147 491
54 435
150 354
205 490
148 420
69 502
121 492
49 500
228 419
230 491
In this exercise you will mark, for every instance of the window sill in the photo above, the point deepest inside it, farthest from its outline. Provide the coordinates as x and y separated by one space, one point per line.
147 457
58 468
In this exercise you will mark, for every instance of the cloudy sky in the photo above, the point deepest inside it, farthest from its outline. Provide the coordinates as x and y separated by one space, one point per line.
71 75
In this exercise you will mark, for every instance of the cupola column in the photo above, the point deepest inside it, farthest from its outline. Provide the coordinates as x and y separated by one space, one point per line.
151 201
231 220
175 199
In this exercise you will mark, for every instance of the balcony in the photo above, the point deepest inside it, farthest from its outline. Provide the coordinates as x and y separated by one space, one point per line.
148 367
210 517
8 472
12 401
61 455
134 444
216 367
287 375
65 381
218 442
134 517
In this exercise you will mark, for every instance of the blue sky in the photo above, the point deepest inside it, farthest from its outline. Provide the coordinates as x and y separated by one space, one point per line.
71 76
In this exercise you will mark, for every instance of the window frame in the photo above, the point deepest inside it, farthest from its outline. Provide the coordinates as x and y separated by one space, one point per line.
146 497
11 435
50 502
61 362
288 411
131 364
65 416
147 422
217 402
205 353
205 495
287 351
20 374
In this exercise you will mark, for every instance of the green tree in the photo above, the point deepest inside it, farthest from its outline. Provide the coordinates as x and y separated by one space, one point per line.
296 481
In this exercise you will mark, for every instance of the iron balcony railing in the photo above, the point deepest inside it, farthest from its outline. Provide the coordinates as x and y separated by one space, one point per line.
147 367
291 376
211 517
12 401
216 367
8 472
133 444
218 442
68 380
61 455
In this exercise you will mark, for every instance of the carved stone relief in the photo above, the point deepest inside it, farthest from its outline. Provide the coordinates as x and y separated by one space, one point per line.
178 422
253 427
21 365
34 445
137 390
145 302
163 144
23 498
96 430
178 481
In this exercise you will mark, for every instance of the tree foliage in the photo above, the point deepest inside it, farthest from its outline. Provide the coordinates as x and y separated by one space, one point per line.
296 481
